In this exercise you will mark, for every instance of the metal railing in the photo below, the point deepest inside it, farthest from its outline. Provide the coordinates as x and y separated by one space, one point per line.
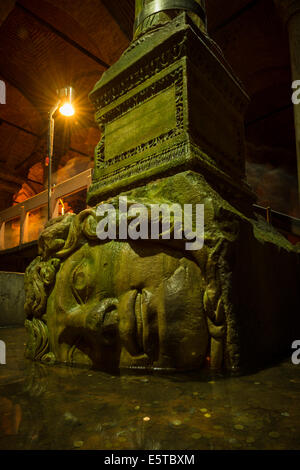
283 222
20 213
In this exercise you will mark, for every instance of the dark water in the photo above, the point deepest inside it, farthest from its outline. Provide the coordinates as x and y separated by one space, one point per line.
57 407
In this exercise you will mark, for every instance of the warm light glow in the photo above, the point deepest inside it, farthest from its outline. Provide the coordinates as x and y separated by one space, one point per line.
62 207
67 110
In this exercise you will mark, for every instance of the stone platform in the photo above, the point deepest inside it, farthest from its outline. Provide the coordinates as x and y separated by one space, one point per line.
12 298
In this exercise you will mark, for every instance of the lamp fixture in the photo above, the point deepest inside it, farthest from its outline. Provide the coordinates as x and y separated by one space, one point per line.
66 96
66 108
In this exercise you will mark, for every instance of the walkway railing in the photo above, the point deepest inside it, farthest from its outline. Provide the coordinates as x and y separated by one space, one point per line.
283 222
24 222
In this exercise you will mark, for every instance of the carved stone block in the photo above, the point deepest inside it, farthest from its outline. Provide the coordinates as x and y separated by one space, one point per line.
171 103
233 304
171 115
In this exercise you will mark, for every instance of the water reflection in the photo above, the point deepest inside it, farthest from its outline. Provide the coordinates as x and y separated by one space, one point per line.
57 407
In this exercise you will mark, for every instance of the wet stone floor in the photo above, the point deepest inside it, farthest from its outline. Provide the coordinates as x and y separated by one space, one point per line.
62 408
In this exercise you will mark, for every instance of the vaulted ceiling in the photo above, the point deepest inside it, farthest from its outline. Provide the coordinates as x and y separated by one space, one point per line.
45 45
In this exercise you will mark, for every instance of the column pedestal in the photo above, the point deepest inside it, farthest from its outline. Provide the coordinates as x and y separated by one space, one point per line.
171 112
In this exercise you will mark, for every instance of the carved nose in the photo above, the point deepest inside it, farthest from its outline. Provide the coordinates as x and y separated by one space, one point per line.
104 319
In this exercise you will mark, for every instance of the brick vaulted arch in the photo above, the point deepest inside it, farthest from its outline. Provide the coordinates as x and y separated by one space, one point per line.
45 46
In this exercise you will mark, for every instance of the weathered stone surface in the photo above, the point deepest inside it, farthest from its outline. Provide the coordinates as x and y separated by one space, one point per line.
162 17
12 299
154 305
171 115
201 128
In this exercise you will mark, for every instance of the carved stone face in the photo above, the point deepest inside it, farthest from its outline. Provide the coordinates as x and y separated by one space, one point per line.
122 305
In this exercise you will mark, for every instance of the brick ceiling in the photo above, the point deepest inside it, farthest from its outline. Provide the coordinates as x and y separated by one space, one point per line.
45 45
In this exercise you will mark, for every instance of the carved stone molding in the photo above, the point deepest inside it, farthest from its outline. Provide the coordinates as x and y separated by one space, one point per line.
167 91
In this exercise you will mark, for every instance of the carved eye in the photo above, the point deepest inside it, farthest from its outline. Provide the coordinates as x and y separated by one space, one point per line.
80 283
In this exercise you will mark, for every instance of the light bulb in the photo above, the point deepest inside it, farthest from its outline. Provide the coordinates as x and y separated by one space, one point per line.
67 110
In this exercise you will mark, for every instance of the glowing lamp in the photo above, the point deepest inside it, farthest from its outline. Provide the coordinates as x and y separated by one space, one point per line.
65 106
67 110
66 96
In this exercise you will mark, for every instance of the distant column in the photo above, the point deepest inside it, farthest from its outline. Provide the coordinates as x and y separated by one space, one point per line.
291 13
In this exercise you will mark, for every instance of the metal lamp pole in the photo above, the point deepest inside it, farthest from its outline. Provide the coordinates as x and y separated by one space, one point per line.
66 97
50 154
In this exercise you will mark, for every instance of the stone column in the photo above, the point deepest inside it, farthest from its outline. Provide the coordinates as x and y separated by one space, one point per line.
290 10
166 12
